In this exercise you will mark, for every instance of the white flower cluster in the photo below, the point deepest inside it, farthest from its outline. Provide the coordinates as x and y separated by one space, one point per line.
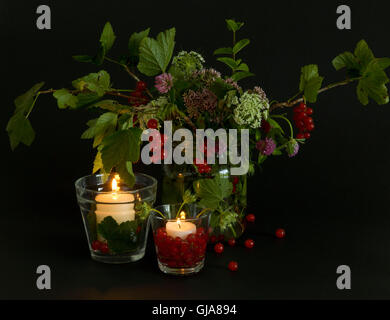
250 109
188 61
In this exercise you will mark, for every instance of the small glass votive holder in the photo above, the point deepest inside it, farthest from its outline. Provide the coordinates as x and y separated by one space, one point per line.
115 220
180 238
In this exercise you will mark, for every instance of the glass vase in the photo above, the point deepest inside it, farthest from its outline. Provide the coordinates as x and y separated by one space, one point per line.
115 222
178 178
180 238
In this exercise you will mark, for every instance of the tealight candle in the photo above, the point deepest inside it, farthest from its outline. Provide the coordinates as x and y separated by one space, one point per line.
120 206
179 228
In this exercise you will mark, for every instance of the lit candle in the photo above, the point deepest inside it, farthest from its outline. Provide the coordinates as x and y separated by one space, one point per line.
120 206
179 228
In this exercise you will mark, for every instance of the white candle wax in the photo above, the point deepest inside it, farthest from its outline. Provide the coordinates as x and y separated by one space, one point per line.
180 229
115 205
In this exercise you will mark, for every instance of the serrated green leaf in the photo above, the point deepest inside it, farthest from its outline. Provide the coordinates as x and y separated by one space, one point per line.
241 75
135 41
121 146
223 51
97 163
98 59
85 99
112 105
65 99
345 60
20 130
155 55
384 63
212 191
107 37
104 125
232 25
125 171
96 82
83 58
310 82
229 62
240 45
24 102
363 54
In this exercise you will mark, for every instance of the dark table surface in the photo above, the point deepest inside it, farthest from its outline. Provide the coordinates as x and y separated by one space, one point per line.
302 266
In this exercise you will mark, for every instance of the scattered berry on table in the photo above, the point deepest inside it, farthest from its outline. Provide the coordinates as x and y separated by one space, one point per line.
233 266
218 248
280 233
249 243
250 217
232 242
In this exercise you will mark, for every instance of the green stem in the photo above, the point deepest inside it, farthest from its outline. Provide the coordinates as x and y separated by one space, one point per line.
288 121
33 104
181 207
234 43
159 212
233 231
203 211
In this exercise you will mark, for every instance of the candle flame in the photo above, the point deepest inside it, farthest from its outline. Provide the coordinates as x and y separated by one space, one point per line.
182 215
178 223
114 185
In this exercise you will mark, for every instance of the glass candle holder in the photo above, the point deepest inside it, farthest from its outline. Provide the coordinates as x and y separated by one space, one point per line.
180 240
115 218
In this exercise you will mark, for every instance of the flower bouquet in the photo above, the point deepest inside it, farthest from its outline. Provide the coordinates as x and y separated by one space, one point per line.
178 91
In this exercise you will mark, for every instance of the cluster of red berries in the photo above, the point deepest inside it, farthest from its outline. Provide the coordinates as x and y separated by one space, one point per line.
180 253
303 121
203 168
138 96
100 246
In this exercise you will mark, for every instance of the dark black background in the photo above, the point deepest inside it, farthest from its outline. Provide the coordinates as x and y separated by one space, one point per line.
332 199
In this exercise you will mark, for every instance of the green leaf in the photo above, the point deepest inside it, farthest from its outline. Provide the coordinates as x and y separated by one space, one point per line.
229 62
98 59
105 124
135 41
363 54
20 130
373 84
223 51
384 63
243 67
310 82
121 146
65 99
120 238
274 124
86 99
155 55
233 25
240 45
24 102
107 37
83 58
125 171
112 105
212 191
96 82
345 60
241 75
97 163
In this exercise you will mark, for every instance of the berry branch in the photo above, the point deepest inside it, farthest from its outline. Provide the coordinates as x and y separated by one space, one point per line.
291 102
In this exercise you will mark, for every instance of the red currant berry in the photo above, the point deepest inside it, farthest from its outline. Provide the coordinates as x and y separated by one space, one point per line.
218 248
300 108
152 124
213 239
307 135
207 169
232 242
249 243
310 127
250 217
233 266
104 248
300 136
136 94
265 126
308 121
141 86
96 245
236 180
280 233
309 111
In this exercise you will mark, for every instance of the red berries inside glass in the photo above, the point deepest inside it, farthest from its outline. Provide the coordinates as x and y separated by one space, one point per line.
303 121
233 266
249 243
250 217
280 233
218 248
